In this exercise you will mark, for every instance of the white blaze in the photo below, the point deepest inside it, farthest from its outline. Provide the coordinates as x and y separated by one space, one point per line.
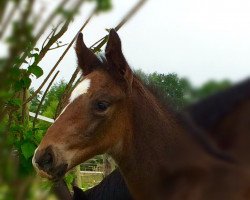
81 88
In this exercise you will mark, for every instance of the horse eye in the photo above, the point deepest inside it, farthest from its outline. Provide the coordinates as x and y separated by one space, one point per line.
102 106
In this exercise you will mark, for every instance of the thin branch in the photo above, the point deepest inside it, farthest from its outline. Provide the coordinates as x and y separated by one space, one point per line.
78 81
8 19
130 14
61 57
53 39
125 19
28 11
37 16
3 112
100 43
51 34
50 19
3 9
104 40
59 46
17 49
43 97
47 38
24 107
97 42
46 24
66 92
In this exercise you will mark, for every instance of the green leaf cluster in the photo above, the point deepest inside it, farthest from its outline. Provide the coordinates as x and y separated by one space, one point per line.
103 5
172 89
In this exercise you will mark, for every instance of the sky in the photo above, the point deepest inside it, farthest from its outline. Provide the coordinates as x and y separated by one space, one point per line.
197 39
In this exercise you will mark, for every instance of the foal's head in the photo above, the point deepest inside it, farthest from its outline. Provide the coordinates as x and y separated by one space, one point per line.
97 115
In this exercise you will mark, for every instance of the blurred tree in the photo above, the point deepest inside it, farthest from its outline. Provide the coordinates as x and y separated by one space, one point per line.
209 88
175 90
53 97
20 31
179 91
35 101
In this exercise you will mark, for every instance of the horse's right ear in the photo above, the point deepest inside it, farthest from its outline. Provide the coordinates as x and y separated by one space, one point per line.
87 60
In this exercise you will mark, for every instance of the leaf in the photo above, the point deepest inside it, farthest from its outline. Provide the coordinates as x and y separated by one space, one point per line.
36 49
15 102
28 149
26 82
18 85
28 135
15 72
36 70
103 5
34 55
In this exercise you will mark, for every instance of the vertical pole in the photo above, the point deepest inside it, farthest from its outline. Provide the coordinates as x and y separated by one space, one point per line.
78 176
106 165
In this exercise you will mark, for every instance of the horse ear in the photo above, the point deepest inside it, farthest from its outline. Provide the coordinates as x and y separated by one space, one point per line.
116 58
87 60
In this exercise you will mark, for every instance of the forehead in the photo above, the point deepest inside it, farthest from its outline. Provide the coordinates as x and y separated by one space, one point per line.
97 80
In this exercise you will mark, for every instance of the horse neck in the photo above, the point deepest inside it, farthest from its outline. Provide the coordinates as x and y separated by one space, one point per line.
236 128
157 146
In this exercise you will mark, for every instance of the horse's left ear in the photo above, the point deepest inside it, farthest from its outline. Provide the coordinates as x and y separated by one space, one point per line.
116 58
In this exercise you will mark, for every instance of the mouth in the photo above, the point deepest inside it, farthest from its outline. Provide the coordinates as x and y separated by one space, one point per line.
47 166
53 174
58 172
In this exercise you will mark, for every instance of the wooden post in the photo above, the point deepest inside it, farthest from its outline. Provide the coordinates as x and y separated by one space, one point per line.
106 165
78 180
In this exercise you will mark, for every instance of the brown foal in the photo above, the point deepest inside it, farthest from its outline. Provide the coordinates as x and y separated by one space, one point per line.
112 111
225 117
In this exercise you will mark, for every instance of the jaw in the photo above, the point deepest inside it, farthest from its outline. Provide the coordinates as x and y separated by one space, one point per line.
54 174
58 172
66 159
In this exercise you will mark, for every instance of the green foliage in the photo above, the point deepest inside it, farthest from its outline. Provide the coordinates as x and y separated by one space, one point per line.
35 101
28 149
209 88
103 5
175 90
18 138
65 12
14 102
53 97
50 109
23 140
178 91
36 70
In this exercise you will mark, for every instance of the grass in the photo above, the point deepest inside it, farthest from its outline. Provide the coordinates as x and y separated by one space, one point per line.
90 180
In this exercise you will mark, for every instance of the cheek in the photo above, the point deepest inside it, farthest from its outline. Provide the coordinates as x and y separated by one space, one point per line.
96 128
81 135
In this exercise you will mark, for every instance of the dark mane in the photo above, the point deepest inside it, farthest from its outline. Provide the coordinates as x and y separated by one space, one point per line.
208 112
156 91
188 123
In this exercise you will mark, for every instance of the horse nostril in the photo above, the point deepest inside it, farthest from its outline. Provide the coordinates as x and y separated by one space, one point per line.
45 160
